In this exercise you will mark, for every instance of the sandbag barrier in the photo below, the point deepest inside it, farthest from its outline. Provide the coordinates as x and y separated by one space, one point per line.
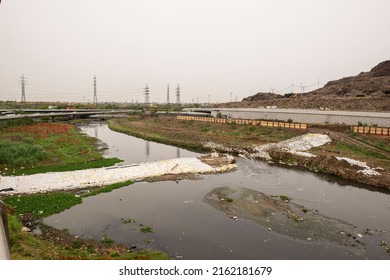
371 130
304 126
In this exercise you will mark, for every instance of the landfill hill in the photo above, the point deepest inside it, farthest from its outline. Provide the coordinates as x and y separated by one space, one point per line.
367 91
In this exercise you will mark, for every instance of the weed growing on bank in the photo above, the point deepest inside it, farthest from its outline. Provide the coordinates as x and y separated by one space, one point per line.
28 148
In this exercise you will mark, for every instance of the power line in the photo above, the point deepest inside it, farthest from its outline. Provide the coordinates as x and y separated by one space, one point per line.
302 87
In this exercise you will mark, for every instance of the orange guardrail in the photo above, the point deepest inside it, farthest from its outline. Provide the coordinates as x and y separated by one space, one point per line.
371 130
246 122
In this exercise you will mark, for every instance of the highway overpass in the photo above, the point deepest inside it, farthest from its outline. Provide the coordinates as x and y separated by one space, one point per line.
10 114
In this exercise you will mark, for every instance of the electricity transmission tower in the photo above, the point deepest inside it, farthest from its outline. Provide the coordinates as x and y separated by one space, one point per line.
168 94
23 83
94 90
146 92
178 94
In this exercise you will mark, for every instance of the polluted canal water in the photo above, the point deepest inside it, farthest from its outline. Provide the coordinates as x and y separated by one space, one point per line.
259 211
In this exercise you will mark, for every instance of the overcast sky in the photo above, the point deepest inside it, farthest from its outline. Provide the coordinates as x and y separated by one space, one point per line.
216 48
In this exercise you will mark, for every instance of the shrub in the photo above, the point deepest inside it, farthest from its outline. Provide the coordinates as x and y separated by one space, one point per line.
22 153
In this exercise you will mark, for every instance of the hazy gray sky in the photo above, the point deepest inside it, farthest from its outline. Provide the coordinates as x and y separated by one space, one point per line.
213 47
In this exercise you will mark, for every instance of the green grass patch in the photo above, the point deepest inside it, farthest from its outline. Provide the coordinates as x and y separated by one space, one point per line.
27 148
14 123
234 133
20 153
25 246
357 151
107 240
204 127
251 129
379 142
46 204
107 188
289 161
192 135
105 162
43 204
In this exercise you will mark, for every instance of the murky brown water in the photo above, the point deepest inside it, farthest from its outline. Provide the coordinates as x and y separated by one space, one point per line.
185 226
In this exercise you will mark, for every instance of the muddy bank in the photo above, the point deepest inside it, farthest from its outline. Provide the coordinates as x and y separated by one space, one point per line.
280 215
296 152
41 241
341 167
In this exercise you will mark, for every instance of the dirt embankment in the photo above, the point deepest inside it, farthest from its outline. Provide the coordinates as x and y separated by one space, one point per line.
329 164
296 152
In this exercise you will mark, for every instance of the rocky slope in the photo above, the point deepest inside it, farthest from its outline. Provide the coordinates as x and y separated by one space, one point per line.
368 91
373 83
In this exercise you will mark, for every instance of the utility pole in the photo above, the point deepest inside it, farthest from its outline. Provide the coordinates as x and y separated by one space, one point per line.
178 94
231 97
94 90
23 83
146 92
168 94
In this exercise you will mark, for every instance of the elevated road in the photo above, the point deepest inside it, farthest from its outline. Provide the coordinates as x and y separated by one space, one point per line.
9 114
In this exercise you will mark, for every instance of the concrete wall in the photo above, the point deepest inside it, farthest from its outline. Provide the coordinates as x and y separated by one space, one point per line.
308 116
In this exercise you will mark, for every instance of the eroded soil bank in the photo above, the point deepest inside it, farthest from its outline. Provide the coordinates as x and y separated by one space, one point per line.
329 164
